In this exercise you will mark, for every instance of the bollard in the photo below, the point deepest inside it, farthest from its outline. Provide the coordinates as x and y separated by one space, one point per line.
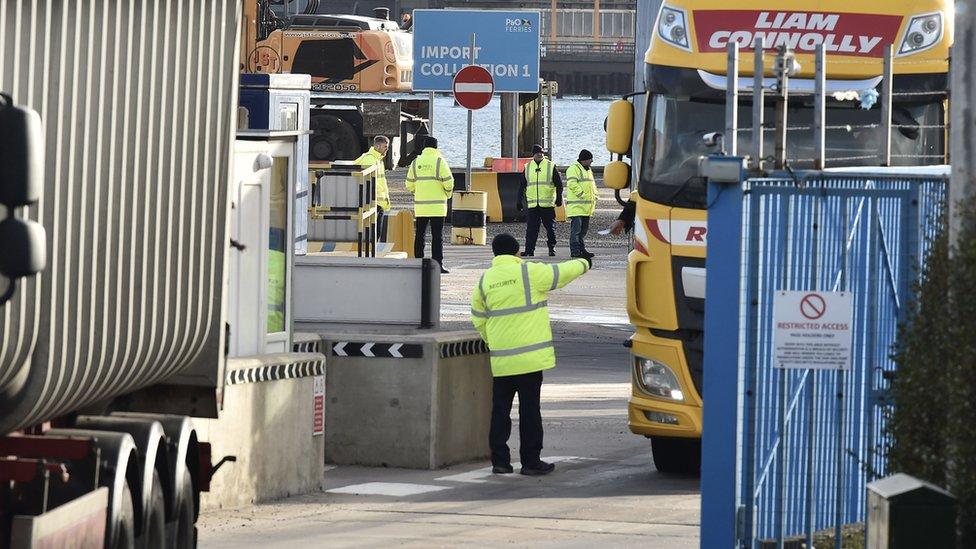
468 218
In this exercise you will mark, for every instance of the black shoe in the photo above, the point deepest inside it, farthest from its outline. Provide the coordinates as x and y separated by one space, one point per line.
502 469
539 469
523 254
552 252
587 255
445 271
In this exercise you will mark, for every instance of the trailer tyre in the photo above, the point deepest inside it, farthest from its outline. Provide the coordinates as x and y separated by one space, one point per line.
125 526
154 534
333 139
186 535
677 455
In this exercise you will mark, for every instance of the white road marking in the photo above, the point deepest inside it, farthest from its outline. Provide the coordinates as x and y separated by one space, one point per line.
394 489
476 476
567 314
482 475
584 391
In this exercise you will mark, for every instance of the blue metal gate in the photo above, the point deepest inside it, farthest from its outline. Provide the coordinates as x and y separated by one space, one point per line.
787 453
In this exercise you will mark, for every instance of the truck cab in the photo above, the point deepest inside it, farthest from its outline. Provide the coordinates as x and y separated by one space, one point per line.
685 75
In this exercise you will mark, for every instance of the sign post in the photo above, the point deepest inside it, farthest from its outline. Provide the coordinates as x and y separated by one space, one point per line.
430 113
515 118
467 170
473 87
812 331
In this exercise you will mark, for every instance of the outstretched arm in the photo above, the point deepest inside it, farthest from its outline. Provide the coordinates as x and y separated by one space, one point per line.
557 275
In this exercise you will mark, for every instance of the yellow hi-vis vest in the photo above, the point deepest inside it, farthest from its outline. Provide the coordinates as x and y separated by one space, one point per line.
581 192
429 179
368 158
509 310
540 192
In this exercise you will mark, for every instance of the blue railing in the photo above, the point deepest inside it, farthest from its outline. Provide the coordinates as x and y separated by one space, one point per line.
788 452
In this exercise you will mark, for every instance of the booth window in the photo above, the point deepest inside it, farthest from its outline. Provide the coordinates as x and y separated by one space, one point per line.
277 242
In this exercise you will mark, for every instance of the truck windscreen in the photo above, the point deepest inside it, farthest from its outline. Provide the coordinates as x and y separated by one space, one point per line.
675 128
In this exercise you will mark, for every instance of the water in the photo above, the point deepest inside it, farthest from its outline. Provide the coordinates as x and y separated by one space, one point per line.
577 124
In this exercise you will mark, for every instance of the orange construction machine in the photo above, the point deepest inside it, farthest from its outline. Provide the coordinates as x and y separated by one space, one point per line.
361 69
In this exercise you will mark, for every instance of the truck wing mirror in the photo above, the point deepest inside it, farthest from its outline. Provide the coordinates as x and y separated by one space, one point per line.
24 242
21 155
24 248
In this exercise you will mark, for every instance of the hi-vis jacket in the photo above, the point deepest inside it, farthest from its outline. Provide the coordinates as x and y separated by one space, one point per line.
429 179
509 310
540 189
368 158
581 194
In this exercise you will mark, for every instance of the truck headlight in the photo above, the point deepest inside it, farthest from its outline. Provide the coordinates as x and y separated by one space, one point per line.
672 27
657 379
923 32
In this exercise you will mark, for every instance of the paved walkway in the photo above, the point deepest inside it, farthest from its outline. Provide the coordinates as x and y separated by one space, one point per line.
604 491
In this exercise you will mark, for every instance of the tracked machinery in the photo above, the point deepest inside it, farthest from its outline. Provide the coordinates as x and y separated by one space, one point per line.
361 69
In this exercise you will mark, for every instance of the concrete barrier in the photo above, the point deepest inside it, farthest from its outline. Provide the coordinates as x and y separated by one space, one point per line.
503 196
272 422
419 401
365 294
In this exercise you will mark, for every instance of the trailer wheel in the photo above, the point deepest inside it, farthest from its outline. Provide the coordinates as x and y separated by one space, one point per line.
186 535
332 139
677 455
154 533
125 526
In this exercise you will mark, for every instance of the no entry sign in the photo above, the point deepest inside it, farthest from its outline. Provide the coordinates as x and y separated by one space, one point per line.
473 87
812 330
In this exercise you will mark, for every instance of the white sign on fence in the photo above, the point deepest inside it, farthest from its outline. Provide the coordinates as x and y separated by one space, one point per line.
812 330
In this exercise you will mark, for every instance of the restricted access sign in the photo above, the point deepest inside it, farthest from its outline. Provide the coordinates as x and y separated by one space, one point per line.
473 87
812 330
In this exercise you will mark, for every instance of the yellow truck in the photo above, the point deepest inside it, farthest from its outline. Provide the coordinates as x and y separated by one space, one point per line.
685 78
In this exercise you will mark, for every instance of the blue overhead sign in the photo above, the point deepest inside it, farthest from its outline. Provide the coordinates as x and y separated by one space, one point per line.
506 43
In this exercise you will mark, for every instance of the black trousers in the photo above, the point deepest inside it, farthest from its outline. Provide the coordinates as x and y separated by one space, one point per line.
535 216
380 224
528 387
436 238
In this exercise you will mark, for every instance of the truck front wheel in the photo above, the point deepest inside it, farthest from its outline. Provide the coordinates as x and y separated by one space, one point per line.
677 455
125 525
185 531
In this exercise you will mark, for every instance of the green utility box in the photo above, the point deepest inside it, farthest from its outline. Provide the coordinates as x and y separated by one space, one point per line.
905 512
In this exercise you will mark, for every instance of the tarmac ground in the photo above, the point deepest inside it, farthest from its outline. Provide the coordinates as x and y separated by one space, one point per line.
604 491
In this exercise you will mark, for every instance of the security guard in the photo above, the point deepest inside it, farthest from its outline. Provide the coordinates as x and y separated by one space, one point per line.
508 308
580 202
543 191
430 180
375 155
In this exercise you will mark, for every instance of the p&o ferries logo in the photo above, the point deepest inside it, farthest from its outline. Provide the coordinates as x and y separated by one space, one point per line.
518 25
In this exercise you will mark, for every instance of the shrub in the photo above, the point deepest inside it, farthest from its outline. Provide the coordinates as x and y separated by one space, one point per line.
933 421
